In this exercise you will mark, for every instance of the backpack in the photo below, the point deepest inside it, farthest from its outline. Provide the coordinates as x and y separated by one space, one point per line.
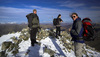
55 21
88 33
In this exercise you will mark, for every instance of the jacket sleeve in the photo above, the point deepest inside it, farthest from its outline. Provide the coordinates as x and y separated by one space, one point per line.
77 29
27 16
39 22
61 19
29 21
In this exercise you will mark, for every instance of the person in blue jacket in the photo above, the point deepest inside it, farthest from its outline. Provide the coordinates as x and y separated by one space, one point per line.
76 33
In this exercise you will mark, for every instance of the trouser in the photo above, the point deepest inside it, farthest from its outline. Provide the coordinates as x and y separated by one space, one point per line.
57 31
33 33
78 48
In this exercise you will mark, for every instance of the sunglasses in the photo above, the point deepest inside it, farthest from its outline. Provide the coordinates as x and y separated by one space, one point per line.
73 16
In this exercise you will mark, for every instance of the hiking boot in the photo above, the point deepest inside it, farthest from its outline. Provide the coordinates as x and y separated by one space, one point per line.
56 36
32 44
36 42
60 35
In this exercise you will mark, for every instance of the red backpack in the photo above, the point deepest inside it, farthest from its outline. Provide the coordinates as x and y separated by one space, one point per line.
88 33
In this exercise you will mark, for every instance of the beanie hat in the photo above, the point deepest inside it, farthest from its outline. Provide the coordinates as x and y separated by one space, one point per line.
34 10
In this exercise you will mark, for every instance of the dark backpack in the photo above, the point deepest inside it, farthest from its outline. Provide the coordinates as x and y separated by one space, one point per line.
55 21
88 33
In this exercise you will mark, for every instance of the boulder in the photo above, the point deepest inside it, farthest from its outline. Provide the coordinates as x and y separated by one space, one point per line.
49 51
6 45
3 54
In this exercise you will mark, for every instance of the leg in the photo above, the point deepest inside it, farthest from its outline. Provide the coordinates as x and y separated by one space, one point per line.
35 30
31 37
56 31
78 47
59 31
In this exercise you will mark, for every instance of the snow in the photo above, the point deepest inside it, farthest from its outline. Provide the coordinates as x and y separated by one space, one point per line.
8 36
38 50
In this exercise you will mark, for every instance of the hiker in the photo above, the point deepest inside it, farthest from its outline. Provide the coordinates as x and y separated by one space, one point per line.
34 26
76 32
58 26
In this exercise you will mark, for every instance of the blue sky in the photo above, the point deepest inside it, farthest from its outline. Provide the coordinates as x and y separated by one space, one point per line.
16 10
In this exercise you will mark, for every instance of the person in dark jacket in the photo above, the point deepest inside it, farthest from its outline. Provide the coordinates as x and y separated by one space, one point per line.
76 33
34 25
59 20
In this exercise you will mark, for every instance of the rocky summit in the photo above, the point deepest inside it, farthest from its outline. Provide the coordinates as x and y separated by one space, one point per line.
18 45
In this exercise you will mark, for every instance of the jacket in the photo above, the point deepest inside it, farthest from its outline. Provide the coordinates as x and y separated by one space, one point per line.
58 22
77 31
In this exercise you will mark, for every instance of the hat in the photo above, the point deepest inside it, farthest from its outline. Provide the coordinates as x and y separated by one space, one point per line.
34 10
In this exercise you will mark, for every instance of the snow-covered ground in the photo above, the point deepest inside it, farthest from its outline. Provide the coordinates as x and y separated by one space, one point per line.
8 36
38 50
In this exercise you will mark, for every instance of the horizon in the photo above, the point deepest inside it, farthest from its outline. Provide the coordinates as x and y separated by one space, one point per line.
16 10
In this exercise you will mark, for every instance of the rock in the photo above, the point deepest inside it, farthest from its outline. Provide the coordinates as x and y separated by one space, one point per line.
49 51
11 47
42 34
16 40
25 37
6 45
66 40
3 54
52 33
14 52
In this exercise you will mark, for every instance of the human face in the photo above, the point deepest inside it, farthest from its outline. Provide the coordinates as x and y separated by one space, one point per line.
35 12
74 17
59 16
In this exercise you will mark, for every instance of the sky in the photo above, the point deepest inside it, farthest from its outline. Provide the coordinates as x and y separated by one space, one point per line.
47 10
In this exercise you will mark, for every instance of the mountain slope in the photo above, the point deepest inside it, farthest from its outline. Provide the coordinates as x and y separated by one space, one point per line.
48 45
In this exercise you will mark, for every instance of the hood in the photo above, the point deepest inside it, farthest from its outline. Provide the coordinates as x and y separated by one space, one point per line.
77 19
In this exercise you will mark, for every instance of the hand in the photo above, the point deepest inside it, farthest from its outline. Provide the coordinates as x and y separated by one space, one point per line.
69 29
30 29
61 21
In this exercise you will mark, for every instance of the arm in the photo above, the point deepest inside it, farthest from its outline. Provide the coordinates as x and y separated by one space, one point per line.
77 29
61 20
39 21
27 16
29 20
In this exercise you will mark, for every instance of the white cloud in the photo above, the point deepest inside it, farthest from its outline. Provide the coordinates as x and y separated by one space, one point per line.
45 14
92 12
71 4
94 15
95 7
34 6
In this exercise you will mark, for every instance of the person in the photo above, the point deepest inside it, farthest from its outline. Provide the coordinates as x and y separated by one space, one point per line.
34 26
76 33
58 26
